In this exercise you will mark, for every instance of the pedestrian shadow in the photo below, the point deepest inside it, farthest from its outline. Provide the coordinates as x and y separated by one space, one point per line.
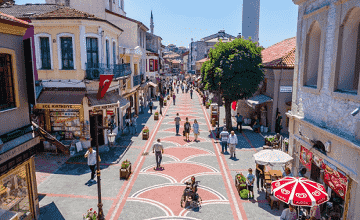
90 183
50 211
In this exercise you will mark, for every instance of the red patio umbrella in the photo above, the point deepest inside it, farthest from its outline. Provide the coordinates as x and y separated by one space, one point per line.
299 191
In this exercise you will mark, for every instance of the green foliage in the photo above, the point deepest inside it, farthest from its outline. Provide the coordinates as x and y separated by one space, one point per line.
236 66
241 178
244 194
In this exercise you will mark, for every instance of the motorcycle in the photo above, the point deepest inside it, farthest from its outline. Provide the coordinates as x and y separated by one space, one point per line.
191 196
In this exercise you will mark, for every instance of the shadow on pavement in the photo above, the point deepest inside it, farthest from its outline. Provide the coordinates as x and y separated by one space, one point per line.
50 211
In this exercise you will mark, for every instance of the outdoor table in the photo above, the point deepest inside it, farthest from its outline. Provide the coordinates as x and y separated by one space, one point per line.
275 174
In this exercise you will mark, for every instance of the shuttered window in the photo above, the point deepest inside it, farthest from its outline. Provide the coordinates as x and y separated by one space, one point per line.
7 94
45 53
67 59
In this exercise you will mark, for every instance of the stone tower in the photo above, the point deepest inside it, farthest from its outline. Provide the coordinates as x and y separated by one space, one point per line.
152 23
250 19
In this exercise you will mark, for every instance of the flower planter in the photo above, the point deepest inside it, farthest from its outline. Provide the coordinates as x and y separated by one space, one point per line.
240 184
156 117
207 106
125 172
145 136
165 103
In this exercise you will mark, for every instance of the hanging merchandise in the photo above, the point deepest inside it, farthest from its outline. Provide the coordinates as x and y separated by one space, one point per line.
335 178
306 157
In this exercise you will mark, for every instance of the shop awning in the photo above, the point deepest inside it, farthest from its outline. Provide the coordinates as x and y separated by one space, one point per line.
148 84
257 100
109 98
61 97
131 91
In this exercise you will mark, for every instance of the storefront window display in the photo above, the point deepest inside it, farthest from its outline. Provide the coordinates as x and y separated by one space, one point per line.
14 194
65 123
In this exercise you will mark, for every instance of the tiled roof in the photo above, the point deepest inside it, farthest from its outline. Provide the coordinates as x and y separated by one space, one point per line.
29 10
202 60
65 12
127 18
12 19
280 55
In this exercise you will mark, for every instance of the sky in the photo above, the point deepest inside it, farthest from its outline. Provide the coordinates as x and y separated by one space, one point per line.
176 22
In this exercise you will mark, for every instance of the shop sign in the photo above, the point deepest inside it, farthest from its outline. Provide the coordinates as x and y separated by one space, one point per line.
18 150
285 88
306 157
109 112
117 105
15 134
335 179
64 113
52 106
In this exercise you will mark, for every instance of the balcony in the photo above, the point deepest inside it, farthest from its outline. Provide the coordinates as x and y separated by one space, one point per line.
94 70
137 79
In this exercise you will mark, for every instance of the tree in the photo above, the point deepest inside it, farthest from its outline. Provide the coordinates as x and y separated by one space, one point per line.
235 70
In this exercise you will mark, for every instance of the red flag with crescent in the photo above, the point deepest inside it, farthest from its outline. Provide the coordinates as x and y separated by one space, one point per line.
104 84
233 105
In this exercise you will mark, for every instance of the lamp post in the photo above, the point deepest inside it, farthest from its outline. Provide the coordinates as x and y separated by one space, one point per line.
111 139
218 129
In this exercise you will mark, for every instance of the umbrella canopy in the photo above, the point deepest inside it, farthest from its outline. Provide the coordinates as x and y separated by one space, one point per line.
299 191
272 157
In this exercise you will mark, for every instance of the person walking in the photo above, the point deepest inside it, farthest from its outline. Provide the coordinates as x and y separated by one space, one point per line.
141 106
177 123
161 103
177 89
196 130
133 123
174 97
259 175
182 88
239 121
91 161
224 135
278 121
232 141
191 92
187 128
158 150
204 100
150 106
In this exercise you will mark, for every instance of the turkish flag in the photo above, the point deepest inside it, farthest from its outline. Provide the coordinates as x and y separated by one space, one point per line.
233 105
104 84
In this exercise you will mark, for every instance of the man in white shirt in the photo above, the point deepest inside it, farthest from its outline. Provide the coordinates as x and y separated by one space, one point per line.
289 214
232 141
158 150
91 161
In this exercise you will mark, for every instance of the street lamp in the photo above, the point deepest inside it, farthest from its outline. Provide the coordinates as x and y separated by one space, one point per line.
218 129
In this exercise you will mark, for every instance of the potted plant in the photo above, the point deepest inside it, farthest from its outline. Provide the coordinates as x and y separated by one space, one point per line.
156 115
145 133
244 194
125 169
240 182
90 215
165 101
269 140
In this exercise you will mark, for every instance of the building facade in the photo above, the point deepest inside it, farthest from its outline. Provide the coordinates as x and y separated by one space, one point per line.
18 189
324 135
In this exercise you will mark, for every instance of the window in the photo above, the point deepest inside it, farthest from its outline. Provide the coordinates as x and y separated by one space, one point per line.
45 53
122 5
67 53
7 94
114 53
107 54
312 55
348 60
151 65
156 65
92 52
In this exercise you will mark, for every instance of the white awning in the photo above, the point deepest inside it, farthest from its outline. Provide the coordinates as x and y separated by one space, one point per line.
257 100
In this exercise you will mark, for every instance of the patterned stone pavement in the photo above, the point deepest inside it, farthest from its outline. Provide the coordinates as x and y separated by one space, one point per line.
150 194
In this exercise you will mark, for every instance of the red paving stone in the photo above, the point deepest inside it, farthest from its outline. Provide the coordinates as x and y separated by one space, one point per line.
180 139
170 196
184 152
179 171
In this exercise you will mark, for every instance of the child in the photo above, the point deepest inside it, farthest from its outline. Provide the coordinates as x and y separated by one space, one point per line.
250 178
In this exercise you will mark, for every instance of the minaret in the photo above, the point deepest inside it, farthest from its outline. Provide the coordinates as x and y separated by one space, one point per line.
250 20
152 23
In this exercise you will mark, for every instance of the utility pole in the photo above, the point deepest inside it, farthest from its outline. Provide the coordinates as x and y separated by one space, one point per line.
191 54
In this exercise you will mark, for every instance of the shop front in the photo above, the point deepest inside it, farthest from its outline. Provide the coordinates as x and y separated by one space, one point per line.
325 158
61 114
108 111
18 189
